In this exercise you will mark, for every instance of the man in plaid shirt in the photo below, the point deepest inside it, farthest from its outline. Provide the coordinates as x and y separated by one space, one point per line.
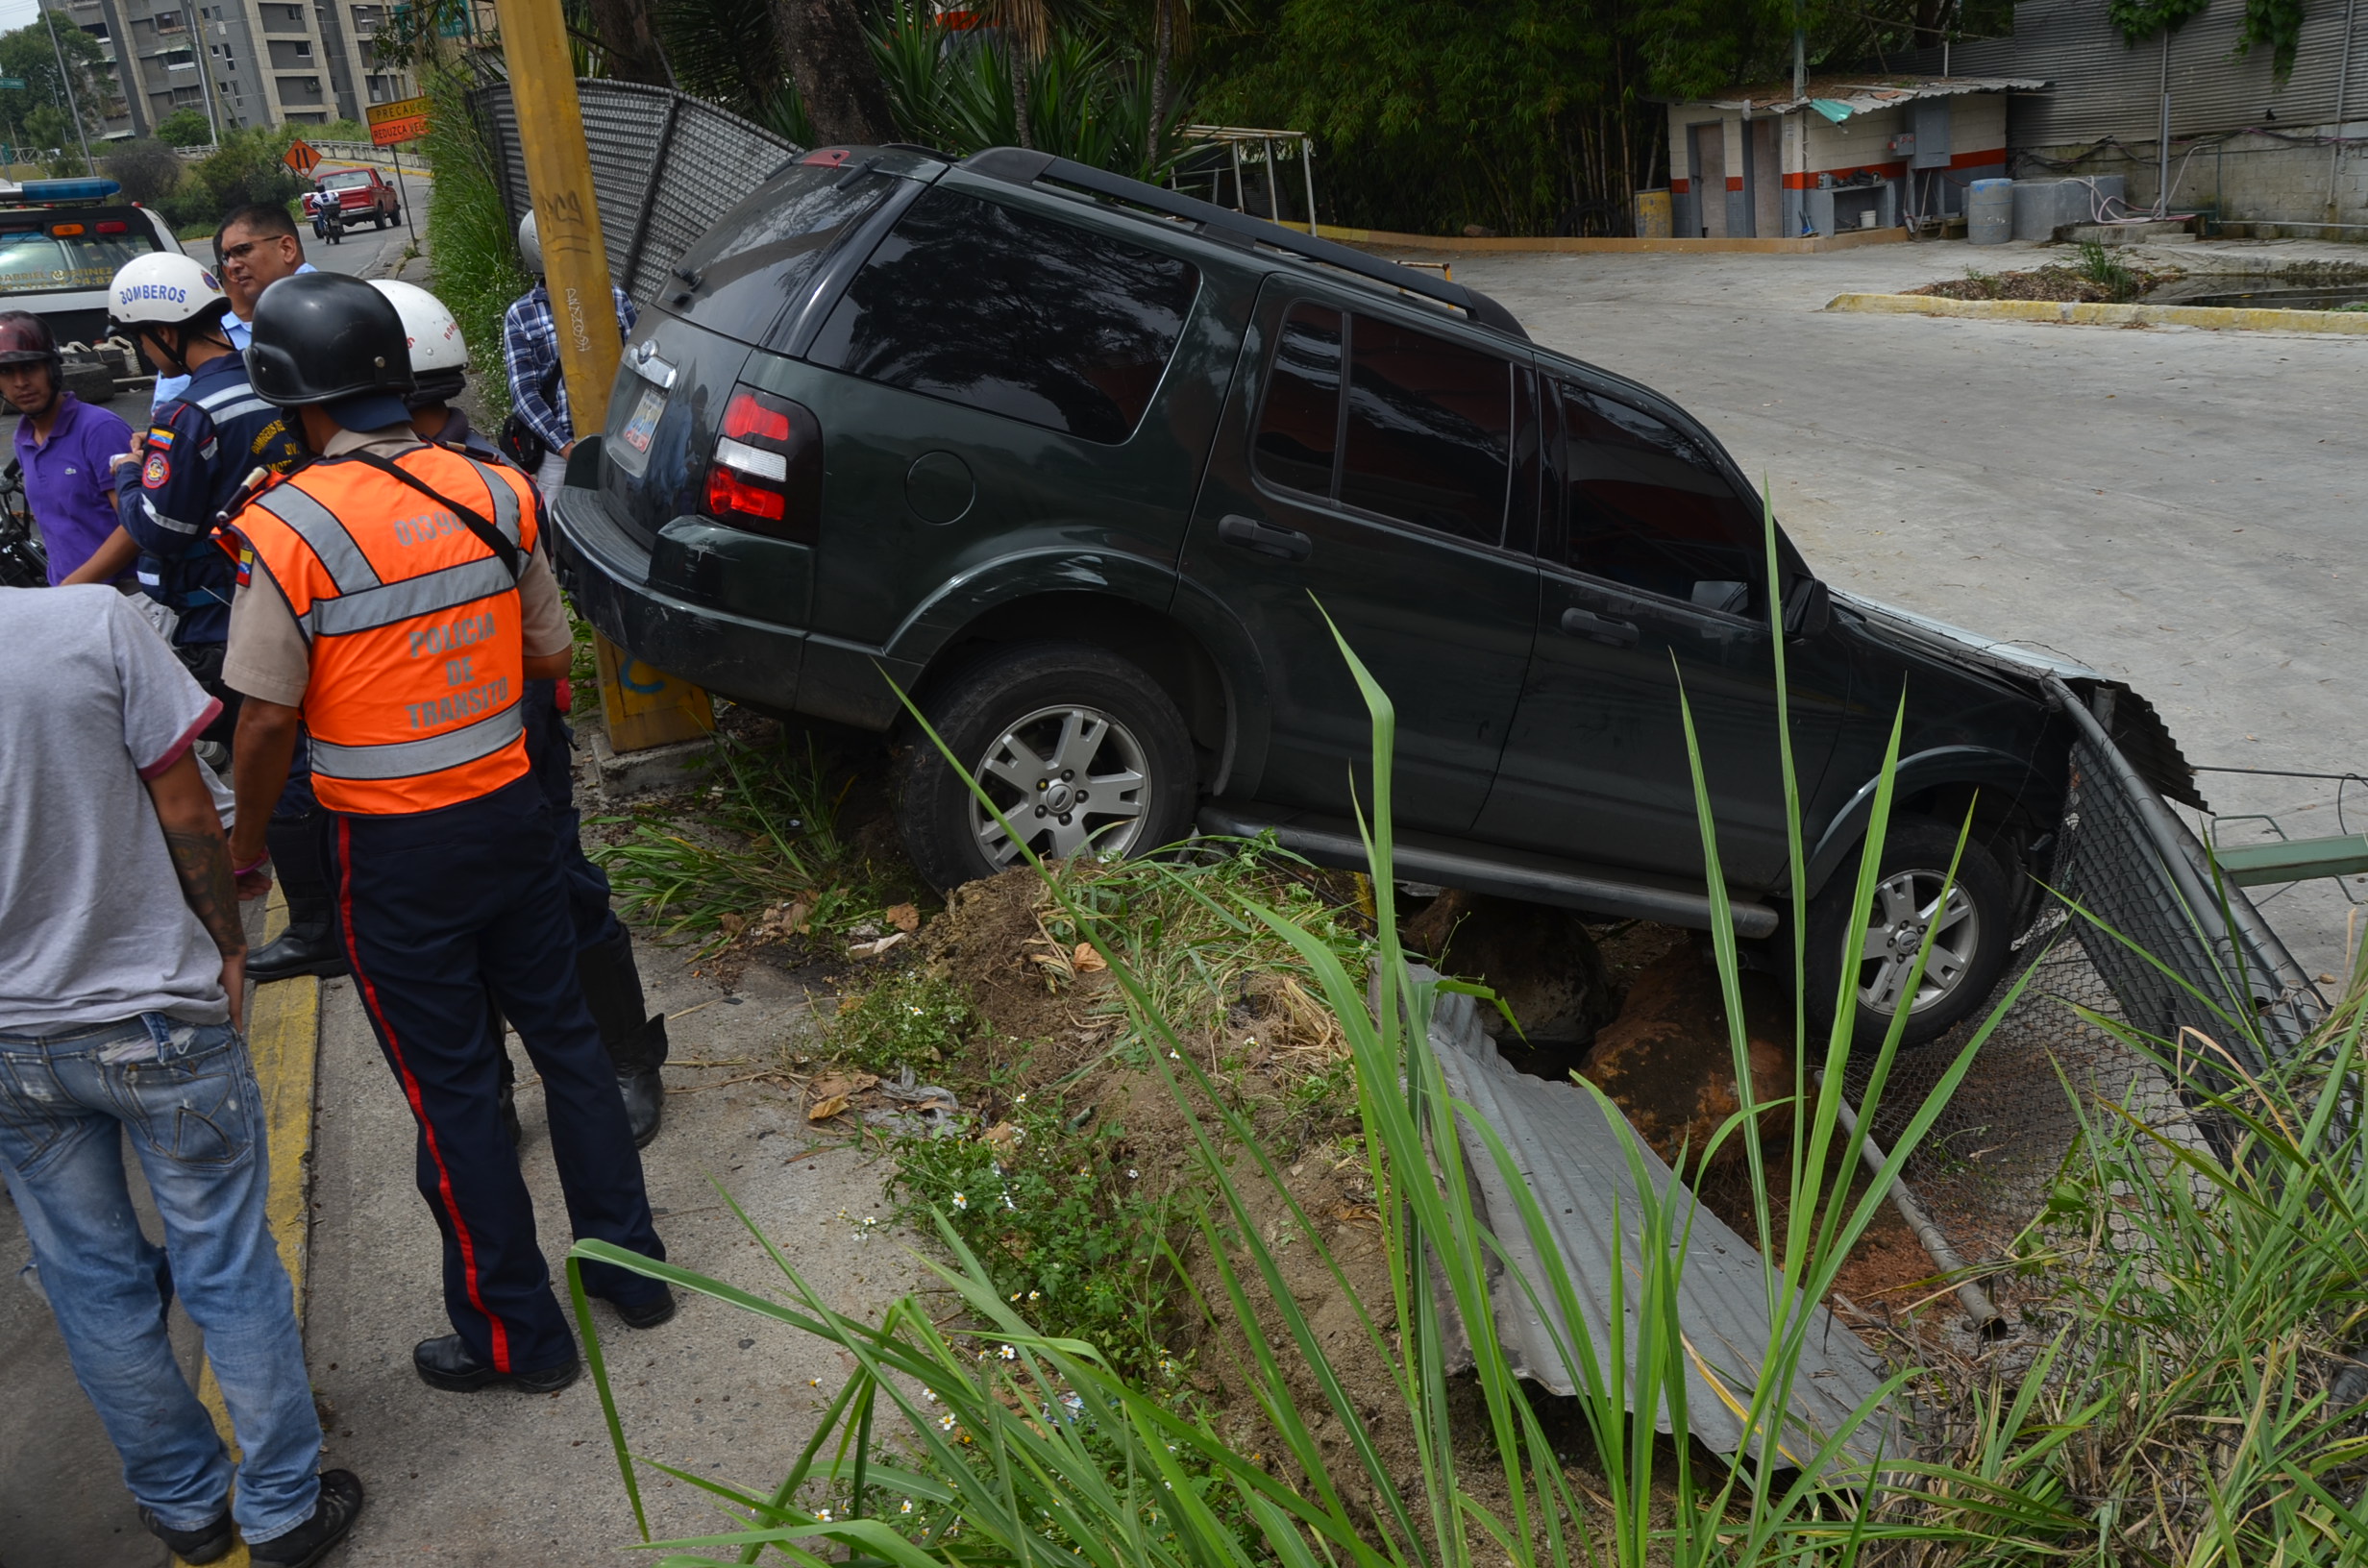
531 350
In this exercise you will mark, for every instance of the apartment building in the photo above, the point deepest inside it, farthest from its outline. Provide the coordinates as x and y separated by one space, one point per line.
242 61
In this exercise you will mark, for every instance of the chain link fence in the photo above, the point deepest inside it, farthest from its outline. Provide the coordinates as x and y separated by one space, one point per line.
2134 929
665 166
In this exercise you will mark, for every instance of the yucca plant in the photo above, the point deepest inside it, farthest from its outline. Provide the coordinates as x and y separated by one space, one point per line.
1086 98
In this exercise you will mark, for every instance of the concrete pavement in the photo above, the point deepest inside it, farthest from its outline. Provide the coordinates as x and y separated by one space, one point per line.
2179 508
516 1480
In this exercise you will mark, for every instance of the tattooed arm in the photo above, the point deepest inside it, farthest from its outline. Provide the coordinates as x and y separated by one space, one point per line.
202 860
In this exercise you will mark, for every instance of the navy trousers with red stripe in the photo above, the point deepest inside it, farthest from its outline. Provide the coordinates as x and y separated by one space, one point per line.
435 909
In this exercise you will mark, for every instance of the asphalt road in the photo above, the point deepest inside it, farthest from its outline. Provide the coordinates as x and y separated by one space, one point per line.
2179 508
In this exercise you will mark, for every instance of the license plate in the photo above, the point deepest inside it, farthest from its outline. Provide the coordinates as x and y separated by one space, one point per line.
639 431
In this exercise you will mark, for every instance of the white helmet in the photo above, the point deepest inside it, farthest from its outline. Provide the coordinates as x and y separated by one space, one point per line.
164 289
436 344
531 244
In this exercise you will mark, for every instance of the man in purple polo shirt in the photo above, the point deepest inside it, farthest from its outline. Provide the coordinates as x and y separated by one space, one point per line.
67 450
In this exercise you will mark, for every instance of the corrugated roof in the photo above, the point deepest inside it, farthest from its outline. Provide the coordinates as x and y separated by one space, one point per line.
1862 92
2100 86
1572 1158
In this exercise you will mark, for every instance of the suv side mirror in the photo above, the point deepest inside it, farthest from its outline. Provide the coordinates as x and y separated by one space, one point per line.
1808 608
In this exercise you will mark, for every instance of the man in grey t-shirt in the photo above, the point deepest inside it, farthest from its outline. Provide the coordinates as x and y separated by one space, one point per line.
122 974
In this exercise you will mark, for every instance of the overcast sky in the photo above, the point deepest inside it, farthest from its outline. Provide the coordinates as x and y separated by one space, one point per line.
16 14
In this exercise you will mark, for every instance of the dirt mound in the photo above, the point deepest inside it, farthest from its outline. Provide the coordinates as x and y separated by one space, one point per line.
992 943
1667 1062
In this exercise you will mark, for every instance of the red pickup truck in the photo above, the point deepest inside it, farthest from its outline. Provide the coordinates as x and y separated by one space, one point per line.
360 195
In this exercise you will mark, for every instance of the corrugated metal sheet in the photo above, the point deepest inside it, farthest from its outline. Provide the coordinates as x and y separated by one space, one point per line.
1572 1159
2100 86
665 166
1865 92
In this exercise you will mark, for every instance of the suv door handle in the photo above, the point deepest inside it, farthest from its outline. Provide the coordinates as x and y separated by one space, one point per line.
1599 628
1249 533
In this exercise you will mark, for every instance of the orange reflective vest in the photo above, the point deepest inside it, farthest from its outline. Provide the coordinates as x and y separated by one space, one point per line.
417 640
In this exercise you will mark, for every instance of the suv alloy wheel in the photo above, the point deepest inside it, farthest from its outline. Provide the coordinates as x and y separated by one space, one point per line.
1081 752
1975 926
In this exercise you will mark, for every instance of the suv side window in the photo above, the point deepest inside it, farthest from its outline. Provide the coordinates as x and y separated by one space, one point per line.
1299 430
759 258
1429 436
1649 508
1021 315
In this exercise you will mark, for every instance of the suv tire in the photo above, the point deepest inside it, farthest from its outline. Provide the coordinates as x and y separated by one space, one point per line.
1967 955
1045 727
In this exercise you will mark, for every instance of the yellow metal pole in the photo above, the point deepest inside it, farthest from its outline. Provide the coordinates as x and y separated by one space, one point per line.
542 84
656 708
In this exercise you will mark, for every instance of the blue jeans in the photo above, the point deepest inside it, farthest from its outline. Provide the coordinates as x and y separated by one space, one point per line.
188 1096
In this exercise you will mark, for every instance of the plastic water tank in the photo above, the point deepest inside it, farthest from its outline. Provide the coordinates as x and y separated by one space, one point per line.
1989 211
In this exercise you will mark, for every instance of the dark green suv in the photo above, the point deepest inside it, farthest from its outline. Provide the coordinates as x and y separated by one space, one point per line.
1084 465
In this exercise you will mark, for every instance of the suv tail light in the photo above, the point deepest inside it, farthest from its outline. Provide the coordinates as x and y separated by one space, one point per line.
766 474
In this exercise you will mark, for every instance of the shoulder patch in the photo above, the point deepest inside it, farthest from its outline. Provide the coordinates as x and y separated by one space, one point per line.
159 435
155 472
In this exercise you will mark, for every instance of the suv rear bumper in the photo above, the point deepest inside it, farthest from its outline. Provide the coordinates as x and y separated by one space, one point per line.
608 572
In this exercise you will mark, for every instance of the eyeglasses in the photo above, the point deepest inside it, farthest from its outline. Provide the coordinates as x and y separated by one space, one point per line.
239 253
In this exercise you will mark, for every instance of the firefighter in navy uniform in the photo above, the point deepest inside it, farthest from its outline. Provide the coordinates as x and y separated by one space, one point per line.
398 601
202 445
635 1037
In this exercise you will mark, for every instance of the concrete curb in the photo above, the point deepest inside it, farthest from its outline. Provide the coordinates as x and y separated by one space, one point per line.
2212 318
1809 245
283 1036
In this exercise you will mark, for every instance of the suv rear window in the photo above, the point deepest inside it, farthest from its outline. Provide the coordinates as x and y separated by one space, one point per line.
759 257
35 261
1020 315
1650 508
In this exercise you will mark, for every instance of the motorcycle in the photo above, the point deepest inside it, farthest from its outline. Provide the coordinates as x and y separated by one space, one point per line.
23 562
332 222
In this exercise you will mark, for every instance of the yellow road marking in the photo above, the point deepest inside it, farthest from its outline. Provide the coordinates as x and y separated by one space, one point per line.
284 1035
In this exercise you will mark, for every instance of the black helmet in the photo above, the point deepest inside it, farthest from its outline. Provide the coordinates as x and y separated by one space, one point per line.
25 340
324 338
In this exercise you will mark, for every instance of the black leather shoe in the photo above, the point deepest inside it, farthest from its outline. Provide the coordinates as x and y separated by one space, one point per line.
203 1544
340 1505
647 1315
645 1103
305 948
445 1362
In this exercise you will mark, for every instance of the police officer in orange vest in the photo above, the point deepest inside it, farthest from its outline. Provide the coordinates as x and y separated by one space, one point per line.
397 601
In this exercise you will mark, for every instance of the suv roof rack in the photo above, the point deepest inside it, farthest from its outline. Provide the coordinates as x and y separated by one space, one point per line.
1022 166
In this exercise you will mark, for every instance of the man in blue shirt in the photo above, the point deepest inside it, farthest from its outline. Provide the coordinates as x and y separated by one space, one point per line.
195 457
256 247
66 450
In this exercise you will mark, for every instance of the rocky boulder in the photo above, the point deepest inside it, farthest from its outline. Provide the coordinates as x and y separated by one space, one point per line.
1541 961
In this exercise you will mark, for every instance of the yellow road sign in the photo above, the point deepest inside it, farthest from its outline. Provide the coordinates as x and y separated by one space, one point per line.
406 120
